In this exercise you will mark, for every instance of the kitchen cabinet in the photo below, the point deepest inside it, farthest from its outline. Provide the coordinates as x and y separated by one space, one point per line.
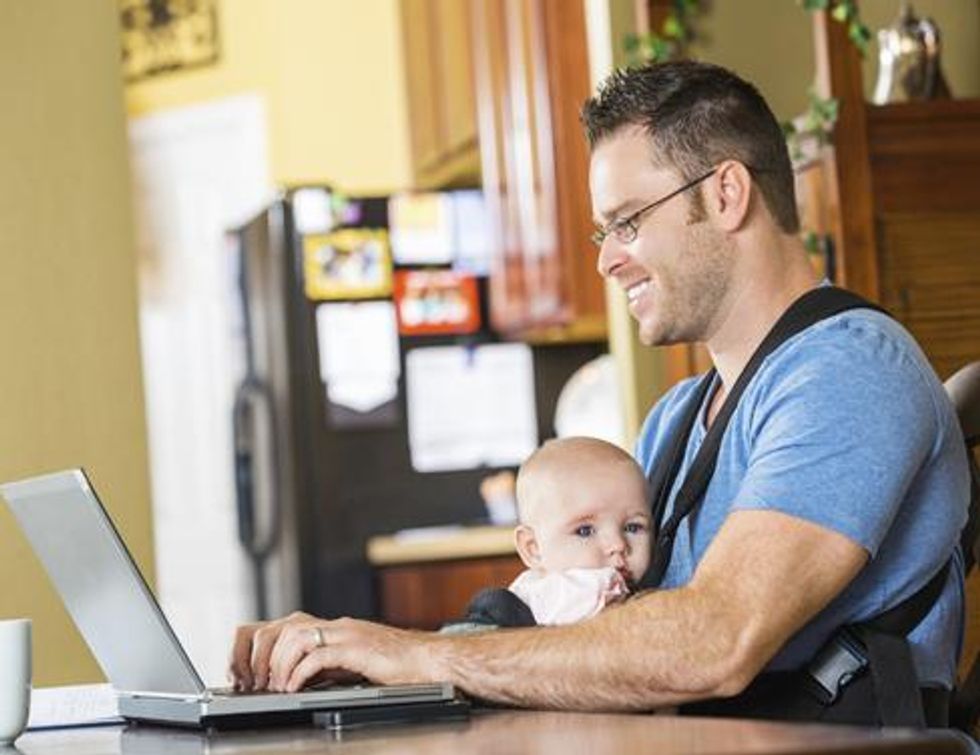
531 74
428 579
428 595
494 92
437 38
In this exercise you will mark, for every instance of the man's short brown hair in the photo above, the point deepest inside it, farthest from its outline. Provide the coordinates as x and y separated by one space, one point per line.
697 115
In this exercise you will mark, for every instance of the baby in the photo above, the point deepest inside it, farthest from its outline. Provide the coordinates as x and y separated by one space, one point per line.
584 528
583 533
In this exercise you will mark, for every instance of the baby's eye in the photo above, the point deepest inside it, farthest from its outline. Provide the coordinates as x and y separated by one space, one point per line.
635 528
584 530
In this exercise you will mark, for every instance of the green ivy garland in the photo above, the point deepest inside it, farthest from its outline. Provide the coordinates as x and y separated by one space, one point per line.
846 12
672 40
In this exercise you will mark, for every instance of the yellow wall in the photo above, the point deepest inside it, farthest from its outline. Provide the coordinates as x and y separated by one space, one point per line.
331 74
70 381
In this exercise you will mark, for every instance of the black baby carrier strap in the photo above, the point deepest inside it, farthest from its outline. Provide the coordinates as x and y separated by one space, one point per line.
835 685
813 306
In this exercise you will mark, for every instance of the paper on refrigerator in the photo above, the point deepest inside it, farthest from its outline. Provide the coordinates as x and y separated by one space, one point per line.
470 406
421 228
358 346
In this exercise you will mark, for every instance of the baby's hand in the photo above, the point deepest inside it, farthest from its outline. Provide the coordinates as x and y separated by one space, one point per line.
614 590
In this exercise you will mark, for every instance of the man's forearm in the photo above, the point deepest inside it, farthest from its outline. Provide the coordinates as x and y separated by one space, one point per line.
659 649
765 575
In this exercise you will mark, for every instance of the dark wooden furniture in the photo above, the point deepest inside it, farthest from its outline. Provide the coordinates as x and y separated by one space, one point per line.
512 732
427 595
424 582
904 204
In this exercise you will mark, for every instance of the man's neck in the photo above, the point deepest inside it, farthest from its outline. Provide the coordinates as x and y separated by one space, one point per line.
763 289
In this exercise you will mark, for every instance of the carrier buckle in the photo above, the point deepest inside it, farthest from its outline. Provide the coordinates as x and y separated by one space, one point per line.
838 662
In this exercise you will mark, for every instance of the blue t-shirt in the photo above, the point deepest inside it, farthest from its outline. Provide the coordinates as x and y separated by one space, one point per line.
845 425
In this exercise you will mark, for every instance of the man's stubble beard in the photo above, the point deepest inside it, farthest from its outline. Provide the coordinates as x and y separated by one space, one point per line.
692 291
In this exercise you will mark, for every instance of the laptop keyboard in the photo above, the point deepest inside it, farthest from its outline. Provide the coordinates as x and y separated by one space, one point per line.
232 692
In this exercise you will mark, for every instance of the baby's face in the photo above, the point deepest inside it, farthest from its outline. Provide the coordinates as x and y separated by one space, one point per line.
596 518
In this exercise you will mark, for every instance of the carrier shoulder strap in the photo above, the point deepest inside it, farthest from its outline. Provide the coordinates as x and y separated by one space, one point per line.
813 306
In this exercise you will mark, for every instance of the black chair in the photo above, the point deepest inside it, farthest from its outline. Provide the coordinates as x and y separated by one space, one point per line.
964 390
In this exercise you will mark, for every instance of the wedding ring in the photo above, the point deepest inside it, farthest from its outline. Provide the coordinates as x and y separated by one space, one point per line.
318 637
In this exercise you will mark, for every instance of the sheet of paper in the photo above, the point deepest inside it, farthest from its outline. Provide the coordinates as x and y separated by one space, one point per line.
421 228
472 232
77 705
358 345
312 210
470 407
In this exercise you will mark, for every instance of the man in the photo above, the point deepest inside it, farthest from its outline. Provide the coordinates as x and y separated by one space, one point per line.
839 479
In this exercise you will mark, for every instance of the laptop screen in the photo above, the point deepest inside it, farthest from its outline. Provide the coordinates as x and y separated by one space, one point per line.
100 584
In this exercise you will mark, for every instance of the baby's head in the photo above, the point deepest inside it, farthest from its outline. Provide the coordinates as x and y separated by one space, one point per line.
583 503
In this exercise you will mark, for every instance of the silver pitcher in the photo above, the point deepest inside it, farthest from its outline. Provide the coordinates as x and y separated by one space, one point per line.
908 60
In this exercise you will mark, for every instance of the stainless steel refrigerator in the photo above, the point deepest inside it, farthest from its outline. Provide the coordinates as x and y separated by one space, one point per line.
316 480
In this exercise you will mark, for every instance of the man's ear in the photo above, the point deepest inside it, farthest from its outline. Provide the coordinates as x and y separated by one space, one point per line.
527 546
733 193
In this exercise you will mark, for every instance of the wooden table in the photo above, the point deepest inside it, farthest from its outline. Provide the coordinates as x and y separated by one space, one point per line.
508 732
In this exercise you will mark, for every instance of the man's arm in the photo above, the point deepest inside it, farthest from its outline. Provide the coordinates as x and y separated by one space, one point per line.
762 579
765 575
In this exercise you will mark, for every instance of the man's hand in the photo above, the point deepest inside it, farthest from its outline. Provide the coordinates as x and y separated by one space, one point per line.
287 654
248 667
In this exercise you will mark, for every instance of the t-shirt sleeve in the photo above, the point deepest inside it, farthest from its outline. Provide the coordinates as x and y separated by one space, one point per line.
837 436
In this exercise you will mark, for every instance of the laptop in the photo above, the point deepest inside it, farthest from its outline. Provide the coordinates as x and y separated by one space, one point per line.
127 632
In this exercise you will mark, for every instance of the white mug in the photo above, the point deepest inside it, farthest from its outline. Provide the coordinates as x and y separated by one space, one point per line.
15 678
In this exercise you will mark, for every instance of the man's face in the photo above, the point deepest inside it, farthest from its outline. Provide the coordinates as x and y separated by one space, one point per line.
676 271
593 517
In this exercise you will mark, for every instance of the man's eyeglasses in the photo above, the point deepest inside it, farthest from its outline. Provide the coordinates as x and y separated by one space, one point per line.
625 230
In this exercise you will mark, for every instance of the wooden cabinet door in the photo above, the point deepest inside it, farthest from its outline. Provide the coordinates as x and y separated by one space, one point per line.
441 98
421 72
428 595
507 44
458 134
531 74
569 85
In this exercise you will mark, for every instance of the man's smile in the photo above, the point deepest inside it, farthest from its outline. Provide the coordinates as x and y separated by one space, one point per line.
634 291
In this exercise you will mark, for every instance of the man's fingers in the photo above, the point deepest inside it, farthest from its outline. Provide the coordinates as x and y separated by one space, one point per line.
317 662
294 642
239 666
263 642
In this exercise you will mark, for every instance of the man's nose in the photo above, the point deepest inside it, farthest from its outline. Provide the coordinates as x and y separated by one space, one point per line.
612 254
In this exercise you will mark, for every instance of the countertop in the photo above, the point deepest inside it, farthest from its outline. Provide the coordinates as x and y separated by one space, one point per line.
440 544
